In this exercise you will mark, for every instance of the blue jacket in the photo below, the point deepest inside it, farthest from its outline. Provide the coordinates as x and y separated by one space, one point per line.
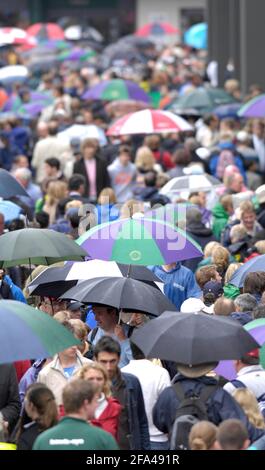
16 291
138 424
220 405
179 283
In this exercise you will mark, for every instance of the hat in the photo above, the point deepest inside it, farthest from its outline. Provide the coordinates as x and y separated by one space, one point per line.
213 287
194 371
73 306
260 193
192 305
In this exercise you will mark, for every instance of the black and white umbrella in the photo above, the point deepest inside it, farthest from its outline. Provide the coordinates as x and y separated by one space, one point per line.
191 183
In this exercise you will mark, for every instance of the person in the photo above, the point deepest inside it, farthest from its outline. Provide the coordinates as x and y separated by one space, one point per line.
206 274
122 174
107 319
245 304
133 430
232 435
108 411
73 432
9 398
179 282
202 436
221 213
153 380
250 405
39 413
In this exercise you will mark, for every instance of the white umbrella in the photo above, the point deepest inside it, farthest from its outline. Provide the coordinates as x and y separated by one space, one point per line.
13 72
190 183
83 132
76 32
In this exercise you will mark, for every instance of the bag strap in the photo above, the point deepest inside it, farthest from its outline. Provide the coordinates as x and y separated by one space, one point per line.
93 334
238 384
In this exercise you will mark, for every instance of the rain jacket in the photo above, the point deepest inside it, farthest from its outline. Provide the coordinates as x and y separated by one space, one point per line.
179 283
220 219
231 292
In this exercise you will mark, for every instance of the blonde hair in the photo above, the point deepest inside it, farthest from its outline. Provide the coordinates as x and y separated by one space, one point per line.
237 233
62 316
80 332
144 159
96 366
260 245
130 207
209 247
249 403
232 268
107 194
246 207
220 257
75 204
56 190
202 436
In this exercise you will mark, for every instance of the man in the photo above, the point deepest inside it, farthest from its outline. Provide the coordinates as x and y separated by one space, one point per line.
179 282
107 319
9 396
232 435
245 304
24 177
122 173
80 399
133 431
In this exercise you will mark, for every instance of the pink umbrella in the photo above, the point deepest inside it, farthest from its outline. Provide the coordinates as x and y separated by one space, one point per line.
149 121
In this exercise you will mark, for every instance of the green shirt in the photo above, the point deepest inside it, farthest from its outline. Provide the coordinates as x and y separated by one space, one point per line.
75 434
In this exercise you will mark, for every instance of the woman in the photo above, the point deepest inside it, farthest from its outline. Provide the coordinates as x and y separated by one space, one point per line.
39 414
250 405
109 409
202 436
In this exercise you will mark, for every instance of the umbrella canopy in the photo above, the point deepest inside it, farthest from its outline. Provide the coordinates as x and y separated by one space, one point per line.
9 210
251 266
27 333
137 41
56 281
156 29
77 32
3 98
83 132
122 293
227 110
76 55
257 330
114 52
202 100
197 36
253 108
193 338
44 31
122 107
16 36
13 73
139 241
116 89
9 186
190 183
37 246
149 121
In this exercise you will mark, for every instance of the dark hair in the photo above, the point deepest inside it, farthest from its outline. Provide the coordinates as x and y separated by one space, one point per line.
53 162
258 312
150 179
136 352
231 434
75 393
254 283
16 224
75 182
107 344
42 218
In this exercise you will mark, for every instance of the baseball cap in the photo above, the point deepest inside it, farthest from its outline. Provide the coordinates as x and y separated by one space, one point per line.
214 288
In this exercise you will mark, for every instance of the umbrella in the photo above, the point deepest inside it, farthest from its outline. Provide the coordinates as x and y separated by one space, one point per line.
83 132
13 73
3 98
137 41
253 108
156 29
257 330
191 183
227 110
31 110
127 54
202 100
123 107
27 333
44 31
122 293
16 36
77 32
9 186
76 55
116 89
139 241
9 210
196 36
251 266
37 246
149 121
193 338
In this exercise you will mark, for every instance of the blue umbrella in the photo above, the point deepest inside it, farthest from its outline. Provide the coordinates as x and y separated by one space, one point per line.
251 266
196 36
9 210
227 110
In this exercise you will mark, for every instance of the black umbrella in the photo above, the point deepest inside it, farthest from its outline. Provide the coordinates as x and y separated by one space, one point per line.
55 281
122 293
193 338
9 186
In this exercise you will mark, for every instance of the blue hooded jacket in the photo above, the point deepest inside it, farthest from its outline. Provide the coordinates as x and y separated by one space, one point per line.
179 283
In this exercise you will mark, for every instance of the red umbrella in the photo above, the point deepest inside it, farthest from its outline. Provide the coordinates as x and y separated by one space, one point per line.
16 36
44 31
149 121
156 29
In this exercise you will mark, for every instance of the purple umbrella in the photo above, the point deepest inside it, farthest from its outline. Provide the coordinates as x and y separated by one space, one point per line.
253 108
31 110
116 89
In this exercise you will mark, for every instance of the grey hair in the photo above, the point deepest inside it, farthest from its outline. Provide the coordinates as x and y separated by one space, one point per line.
23 173
246 302
194 215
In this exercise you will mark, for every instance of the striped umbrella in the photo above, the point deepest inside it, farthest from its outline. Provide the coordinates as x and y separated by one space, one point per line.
44 31
156 29
139 241
116 89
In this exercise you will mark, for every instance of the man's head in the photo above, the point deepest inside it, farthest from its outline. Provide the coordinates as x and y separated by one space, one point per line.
249 359
106 317
23 176
89 148
21 161
223 306
80 398
107 352
124 154
232 435
52 166
206 274
245 303
234 182
77 184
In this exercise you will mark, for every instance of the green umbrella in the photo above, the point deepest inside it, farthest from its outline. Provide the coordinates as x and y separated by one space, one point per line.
200 101
27 333
37 246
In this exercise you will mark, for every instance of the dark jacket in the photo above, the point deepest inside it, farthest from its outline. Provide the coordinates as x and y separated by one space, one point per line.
102 176
28 436
137 421
220 405
202 235
9 397
242 317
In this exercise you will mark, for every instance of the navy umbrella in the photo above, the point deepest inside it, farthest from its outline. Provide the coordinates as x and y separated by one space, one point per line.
251 266
9 186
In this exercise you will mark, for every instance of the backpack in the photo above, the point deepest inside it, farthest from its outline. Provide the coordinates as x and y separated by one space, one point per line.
191 410
90 352
261 399
226 157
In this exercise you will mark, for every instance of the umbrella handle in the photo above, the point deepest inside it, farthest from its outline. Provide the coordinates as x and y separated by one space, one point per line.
129 270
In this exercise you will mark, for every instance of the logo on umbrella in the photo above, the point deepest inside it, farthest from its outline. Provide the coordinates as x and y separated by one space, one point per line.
135 255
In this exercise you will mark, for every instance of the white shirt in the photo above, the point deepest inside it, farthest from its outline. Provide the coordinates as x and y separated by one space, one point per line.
253 377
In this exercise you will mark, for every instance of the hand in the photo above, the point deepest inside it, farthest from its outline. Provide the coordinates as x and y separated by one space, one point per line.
118 331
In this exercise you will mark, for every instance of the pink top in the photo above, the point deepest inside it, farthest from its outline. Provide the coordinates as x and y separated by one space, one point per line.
91 174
